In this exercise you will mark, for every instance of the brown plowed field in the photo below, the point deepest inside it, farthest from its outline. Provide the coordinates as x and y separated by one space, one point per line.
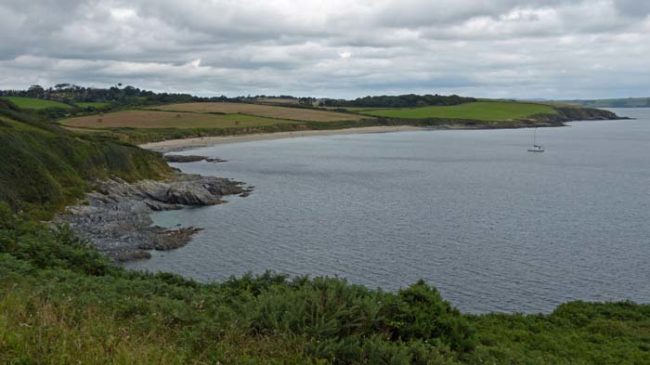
158 119
267 111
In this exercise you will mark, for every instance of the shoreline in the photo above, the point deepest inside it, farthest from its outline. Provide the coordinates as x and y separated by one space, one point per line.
175 145
116 216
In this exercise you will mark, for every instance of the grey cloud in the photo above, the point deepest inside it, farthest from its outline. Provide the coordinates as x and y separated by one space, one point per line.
500 48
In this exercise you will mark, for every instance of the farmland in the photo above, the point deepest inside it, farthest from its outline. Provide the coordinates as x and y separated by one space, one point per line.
150 119
268 111
186 120
92 104
34 103
490 111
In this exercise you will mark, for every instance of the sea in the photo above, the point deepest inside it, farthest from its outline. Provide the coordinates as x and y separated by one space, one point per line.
494 227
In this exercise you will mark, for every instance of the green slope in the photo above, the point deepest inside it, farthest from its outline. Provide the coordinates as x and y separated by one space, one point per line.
44 166
481 110
34 103
93 104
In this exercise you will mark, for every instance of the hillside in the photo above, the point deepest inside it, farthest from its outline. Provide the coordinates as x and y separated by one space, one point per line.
35 103
489 111
44 166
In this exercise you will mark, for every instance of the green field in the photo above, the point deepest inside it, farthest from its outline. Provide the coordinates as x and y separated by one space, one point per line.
34 103
491 111
93 104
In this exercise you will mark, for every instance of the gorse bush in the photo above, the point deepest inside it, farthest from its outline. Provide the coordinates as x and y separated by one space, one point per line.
48 248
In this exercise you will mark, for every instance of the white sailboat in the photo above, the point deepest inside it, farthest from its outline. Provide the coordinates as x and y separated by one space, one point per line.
536 147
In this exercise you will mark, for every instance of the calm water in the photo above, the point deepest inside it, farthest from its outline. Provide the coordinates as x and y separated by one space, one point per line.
494 227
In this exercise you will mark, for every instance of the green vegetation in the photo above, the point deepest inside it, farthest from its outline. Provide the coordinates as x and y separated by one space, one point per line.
399 101
115 96
492 111
34 103
44 166
93 104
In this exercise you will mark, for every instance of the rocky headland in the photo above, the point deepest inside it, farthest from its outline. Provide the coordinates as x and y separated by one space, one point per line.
116 216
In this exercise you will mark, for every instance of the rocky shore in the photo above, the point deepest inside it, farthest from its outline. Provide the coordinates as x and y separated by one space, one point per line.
116 217
190 158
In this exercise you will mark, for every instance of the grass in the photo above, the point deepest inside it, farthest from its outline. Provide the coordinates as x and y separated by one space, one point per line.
268 111
490 111
34 103
93 104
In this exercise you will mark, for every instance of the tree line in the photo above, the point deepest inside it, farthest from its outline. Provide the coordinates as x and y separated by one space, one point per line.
119 95
398 101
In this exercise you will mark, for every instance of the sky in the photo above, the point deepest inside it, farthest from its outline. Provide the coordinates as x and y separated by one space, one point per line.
551 49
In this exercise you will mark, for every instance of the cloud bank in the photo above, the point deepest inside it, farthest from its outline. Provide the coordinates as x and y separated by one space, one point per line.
487 48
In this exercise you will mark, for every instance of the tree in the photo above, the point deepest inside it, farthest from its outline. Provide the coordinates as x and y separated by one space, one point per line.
36 91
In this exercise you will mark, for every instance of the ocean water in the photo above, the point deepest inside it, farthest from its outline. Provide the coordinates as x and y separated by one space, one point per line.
492 226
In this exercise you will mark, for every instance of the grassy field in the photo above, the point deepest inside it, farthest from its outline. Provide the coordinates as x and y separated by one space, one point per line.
492 111
92 104
34 103
151 119
268 111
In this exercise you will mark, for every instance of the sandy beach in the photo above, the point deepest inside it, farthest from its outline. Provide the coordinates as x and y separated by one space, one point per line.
187 143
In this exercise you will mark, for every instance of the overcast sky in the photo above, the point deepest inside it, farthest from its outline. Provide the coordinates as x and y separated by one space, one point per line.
336 48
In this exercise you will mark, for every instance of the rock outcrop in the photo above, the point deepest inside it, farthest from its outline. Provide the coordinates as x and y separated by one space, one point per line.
190 158
116 217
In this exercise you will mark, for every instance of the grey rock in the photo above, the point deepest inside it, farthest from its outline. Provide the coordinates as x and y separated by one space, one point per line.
191 158
116 217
